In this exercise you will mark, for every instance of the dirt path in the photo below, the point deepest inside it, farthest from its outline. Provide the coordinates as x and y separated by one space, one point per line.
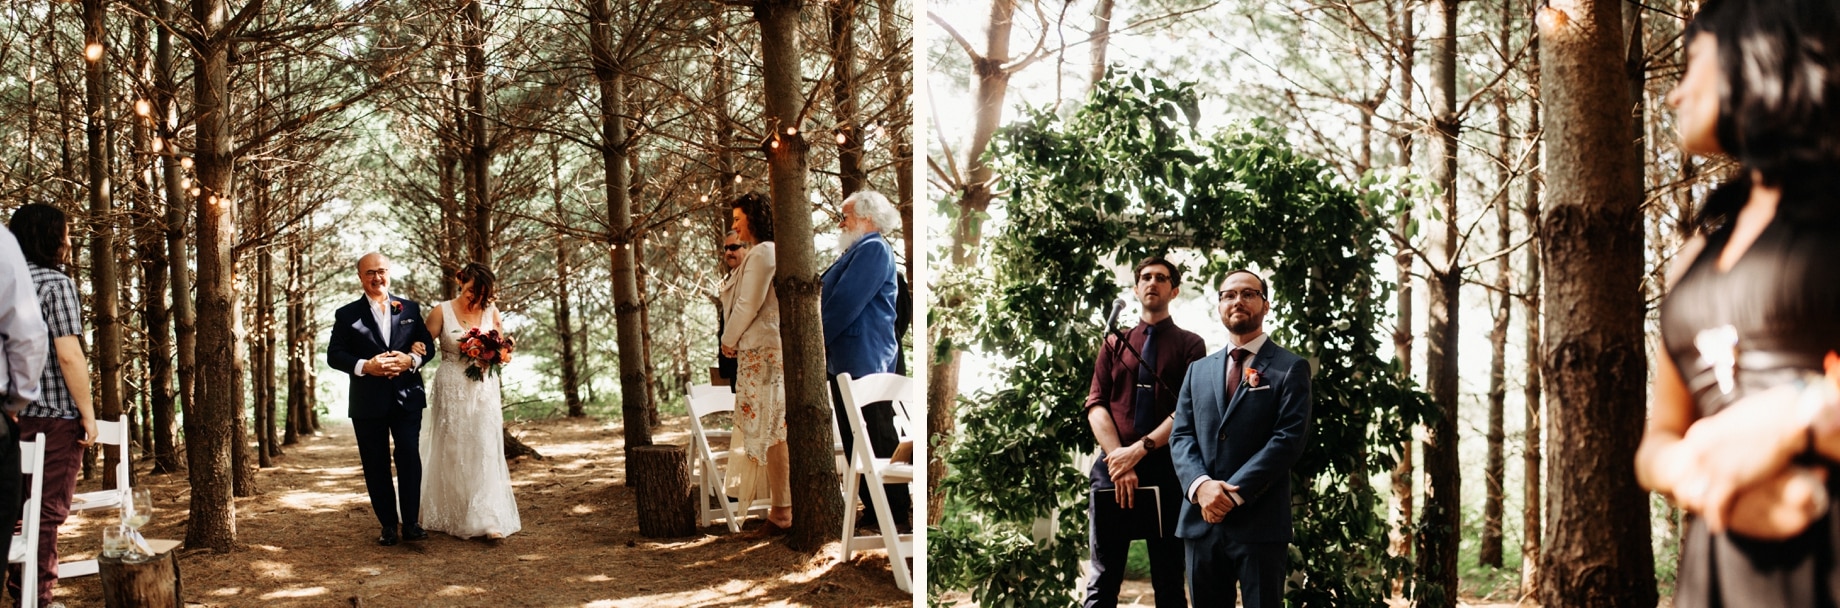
309 540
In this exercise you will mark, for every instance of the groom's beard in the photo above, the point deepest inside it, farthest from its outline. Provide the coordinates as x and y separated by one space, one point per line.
847 239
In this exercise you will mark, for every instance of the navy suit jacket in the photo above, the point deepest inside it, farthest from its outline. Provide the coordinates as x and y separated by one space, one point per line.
355 337
857 306
1249 439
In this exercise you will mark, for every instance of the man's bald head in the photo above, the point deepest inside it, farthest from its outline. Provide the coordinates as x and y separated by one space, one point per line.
374 274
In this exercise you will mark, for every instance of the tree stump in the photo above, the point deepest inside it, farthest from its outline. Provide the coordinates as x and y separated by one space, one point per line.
151 583
661 485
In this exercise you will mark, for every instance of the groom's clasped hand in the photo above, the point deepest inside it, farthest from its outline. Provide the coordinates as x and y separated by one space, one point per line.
393 363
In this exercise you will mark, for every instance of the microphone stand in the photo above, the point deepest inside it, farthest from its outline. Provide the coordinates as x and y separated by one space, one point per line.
1118 354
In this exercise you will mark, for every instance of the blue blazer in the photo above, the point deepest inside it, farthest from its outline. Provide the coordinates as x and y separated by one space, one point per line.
857 306
1249 439
355 337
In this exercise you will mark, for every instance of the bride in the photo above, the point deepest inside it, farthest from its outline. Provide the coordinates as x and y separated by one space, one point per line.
466 487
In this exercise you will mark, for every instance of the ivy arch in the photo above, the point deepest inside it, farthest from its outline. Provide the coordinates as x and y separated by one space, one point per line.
1127 175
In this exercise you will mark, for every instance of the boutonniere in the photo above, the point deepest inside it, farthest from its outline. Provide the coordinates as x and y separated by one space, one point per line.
395 307
1253 377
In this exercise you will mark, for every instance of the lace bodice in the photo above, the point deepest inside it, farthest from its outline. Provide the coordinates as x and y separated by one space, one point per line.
452 330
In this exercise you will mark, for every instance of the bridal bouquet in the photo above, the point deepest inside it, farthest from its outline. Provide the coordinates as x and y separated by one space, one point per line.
485 352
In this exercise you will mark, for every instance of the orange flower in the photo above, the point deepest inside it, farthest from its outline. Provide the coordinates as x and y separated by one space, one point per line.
1253 377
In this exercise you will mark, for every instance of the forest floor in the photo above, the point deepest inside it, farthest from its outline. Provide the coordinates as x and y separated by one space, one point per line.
309 539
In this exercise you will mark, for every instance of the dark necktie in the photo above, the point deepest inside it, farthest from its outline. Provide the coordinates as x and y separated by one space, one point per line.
1143 408
1234 371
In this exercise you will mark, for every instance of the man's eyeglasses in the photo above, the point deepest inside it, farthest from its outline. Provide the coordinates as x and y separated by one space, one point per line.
733 247
377 272
1249 295
1152 278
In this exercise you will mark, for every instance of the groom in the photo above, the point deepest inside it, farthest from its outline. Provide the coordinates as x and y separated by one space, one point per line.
371 340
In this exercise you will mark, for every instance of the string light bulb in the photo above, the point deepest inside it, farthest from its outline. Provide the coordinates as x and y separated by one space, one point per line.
842 139
792 130
185 162
1550 18
142 108
93 52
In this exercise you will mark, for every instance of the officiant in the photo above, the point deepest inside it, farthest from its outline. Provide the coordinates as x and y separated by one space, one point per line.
1136 378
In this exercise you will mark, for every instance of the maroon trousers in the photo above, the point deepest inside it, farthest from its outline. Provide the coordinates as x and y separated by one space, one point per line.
63 460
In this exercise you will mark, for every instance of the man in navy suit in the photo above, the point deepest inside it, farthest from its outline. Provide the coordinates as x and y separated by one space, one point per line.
857 306
375 339
1240 424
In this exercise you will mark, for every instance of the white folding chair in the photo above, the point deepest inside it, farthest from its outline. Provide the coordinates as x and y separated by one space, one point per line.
24 550
857 393
113 433
708 466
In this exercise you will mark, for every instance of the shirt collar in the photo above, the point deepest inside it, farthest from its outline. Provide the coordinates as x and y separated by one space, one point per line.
1252 348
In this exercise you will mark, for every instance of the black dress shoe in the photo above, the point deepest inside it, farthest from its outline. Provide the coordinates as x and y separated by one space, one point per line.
388 539
414 532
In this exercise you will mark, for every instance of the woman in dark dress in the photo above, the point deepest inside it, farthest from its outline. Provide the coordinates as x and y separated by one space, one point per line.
1744 430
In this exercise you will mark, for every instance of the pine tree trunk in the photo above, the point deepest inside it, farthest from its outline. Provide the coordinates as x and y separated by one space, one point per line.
297 353
843 95
817 506
210 426
565 327
1532 498
1404 488
105 285
1101 36
1495 465
1441 522
610 74
479 154
1597 550
974 201
166 116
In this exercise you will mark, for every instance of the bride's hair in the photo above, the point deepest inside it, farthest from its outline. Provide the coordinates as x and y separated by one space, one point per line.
482 282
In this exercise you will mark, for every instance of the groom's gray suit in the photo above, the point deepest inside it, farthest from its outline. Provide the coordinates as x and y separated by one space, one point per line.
1249 439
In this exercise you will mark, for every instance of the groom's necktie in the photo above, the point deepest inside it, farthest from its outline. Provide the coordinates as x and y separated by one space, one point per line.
1235 359
1144 407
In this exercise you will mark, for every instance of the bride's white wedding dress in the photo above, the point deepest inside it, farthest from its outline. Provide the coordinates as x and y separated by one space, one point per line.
466 487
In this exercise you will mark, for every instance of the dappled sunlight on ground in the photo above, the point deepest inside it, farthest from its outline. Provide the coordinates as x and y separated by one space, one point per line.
309 540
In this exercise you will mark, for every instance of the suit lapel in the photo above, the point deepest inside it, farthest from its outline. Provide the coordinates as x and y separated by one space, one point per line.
370 320
1258 362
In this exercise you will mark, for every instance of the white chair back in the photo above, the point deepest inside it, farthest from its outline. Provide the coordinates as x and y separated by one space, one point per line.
24 548
856 393
707 465
111 433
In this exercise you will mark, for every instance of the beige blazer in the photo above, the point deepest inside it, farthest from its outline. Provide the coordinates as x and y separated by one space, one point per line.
753 313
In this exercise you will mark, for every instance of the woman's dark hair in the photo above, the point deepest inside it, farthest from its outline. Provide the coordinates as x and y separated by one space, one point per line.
40 230
482 282
759 212
1779 100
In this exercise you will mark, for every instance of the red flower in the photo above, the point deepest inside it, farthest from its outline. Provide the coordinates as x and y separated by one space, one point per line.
395 306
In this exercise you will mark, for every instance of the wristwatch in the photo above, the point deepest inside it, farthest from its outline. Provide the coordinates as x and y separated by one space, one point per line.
1149 444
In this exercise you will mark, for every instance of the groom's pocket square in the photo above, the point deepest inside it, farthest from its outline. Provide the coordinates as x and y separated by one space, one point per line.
1257 389
403 322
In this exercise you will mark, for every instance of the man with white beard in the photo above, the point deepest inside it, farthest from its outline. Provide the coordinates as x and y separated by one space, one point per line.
857 306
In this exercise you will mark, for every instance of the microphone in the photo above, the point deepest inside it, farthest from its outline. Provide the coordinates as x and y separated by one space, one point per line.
1111 320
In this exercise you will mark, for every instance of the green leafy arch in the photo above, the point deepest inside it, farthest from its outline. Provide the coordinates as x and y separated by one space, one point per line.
1124 176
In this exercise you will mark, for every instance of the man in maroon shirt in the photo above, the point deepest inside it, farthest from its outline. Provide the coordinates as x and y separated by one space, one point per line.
1129 408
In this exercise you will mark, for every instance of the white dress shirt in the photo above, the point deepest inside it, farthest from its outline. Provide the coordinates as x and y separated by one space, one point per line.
1252 351
22 329
381 313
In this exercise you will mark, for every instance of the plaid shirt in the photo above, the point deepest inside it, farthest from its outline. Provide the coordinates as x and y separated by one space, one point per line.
57 298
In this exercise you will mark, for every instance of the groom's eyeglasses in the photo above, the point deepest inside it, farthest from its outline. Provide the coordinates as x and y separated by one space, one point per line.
733 247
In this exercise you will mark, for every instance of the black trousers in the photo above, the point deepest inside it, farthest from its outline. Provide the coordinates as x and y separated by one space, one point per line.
878 417
1110 548
374 435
